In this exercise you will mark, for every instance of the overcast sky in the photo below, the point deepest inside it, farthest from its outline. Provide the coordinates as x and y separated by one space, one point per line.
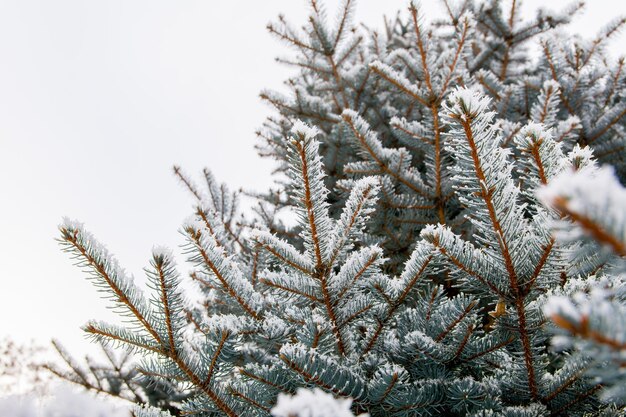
98 99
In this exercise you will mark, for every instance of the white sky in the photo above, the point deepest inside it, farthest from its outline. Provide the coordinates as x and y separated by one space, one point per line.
98 99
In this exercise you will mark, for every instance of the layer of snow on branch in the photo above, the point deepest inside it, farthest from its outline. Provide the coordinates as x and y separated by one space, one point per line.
300 127
582 191
561 306
312 403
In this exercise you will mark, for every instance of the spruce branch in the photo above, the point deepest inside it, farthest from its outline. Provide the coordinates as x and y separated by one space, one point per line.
206 253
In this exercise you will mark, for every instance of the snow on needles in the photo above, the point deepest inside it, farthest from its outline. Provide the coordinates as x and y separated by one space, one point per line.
467 102
299 127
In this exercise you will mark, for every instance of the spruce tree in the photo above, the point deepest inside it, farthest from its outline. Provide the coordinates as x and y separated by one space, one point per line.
452 217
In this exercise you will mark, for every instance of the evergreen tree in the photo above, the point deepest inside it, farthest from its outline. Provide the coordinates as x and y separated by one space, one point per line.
443 181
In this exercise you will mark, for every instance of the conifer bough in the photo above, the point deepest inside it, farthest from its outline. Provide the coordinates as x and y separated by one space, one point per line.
461 231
